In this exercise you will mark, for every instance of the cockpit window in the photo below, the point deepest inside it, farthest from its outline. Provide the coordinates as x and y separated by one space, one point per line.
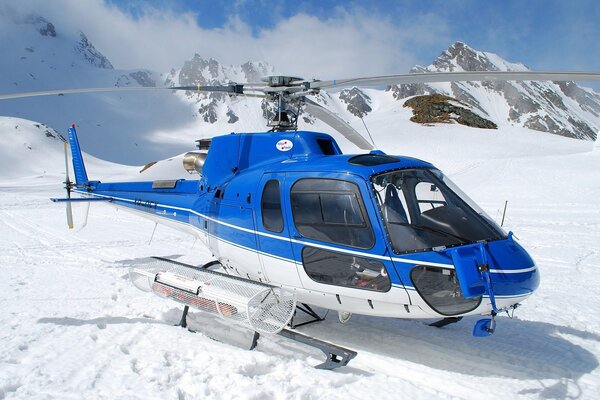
422 210
331 210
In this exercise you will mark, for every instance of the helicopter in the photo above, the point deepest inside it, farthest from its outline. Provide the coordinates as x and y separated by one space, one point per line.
294 223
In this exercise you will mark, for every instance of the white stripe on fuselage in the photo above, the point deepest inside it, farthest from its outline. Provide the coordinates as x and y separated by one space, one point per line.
325 247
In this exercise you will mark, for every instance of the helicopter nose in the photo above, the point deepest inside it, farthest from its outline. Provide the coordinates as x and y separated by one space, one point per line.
513 271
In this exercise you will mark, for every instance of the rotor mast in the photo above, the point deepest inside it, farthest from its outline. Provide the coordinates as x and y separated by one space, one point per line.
287 93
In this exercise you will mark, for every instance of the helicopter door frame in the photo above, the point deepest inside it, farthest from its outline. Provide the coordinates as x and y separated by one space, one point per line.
274 248
237 250
346 296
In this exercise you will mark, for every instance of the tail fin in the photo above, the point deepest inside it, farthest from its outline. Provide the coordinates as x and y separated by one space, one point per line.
81 177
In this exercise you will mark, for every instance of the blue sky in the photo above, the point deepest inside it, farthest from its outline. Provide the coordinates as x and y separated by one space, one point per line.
331 39
542 34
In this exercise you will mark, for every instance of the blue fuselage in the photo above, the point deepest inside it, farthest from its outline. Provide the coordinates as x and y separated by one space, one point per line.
290 210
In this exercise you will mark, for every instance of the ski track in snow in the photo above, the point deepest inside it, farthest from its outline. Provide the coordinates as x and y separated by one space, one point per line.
72 326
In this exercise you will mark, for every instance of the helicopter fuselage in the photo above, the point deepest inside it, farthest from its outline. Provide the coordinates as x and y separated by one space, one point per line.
367 234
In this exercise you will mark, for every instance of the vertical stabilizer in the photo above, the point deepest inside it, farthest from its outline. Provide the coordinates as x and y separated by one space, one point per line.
78 166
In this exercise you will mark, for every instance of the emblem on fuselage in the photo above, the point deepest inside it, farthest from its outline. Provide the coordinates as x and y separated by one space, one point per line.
284 145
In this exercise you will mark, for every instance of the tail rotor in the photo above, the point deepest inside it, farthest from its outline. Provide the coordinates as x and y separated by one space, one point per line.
68 185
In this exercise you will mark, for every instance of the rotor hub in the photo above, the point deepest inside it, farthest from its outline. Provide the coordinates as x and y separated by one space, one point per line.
282 80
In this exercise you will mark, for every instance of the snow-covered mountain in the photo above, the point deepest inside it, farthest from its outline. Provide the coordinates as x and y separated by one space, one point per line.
139 127
216 106
41 55
562 108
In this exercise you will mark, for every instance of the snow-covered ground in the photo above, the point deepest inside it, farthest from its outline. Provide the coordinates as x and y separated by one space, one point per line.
73 326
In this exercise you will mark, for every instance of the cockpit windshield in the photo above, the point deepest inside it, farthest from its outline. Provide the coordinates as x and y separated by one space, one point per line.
423 210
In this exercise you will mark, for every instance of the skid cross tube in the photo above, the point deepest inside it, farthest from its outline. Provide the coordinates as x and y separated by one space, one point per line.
306 309
445 321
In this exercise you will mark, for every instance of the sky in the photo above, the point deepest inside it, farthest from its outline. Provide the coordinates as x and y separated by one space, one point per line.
331 39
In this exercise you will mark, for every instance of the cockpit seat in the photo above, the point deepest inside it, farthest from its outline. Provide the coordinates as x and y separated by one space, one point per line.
393 210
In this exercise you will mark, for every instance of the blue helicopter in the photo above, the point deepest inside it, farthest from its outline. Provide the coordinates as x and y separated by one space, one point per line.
371 233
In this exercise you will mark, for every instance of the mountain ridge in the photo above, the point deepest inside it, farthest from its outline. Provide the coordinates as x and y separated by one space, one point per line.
562 108
134 128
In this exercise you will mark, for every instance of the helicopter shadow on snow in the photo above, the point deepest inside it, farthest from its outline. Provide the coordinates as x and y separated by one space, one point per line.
518 350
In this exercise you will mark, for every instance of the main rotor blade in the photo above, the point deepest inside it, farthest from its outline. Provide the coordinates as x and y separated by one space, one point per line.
231 88
77 91
338 124
431 77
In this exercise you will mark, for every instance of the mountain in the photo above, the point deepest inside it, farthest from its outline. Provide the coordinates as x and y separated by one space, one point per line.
216 106
41 55
562 108
140 127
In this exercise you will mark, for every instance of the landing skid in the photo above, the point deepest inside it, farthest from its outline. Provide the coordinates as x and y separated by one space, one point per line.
336 356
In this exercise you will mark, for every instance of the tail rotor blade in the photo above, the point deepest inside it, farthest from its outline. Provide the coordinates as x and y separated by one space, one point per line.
68 187
85 220
67 167
69 215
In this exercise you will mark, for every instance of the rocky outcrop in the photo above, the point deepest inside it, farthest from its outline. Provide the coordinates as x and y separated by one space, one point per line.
42 25
357 101
142 78
437 108
89 53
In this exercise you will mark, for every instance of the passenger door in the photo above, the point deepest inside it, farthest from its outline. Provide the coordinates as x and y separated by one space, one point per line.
275 249
337 241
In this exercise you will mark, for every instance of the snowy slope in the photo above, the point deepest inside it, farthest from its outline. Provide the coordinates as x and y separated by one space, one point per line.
73 326
32 150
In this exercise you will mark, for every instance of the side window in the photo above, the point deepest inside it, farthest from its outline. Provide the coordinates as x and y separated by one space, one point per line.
429 196
339 269
270 205
331 211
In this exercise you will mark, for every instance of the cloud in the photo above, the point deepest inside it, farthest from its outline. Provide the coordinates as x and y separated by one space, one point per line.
347 43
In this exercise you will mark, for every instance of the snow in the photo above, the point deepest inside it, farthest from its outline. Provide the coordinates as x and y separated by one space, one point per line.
73 326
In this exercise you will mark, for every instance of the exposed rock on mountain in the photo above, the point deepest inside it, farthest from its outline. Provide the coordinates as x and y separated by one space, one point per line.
142 78
561 108
437 108
44 27
216 106
357 101
90 54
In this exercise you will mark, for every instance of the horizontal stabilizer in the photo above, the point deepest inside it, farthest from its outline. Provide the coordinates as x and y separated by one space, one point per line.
81 200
